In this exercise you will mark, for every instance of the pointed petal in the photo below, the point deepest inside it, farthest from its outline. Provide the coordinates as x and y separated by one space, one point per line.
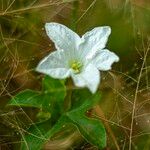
94 40
63 37
104 59
90 78
54 65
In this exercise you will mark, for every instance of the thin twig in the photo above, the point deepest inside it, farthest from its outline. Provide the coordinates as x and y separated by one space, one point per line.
135 99
86 11
100 113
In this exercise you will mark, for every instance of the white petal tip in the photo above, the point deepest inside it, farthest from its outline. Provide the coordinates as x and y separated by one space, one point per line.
51 23
117 58
93 91
94 87
48 26
107 29
37 69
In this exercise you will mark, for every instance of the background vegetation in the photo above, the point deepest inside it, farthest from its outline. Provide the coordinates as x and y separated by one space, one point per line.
125 89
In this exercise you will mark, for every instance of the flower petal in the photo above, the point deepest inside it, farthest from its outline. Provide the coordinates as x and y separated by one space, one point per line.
94 40
63 37
104 59
90 78
54 65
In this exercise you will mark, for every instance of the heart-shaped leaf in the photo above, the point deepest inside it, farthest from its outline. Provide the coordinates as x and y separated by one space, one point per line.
27 98
49 100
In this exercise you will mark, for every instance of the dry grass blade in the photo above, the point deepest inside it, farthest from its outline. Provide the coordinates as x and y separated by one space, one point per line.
40 6
135 99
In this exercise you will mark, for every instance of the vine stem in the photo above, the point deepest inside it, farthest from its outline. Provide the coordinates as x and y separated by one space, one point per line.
74 15
67 101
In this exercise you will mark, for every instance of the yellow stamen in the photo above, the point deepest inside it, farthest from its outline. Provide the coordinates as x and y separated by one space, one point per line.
76 66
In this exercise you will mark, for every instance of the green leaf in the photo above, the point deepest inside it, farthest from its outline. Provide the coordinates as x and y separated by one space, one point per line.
27 98
50 99
53 85
35 137
42 116
39 134
55 93
92 129
79 97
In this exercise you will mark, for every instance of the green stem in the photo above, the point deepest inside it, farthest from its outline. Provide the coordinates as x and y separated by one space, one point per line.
74 15
67 101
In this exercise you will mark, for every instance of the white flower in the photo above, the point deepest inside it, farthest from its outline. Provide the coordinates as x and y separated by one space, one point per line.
79 58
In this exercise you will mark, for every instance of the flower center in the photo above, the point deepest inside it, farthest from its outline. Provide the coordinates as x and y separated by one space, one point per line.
76 66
